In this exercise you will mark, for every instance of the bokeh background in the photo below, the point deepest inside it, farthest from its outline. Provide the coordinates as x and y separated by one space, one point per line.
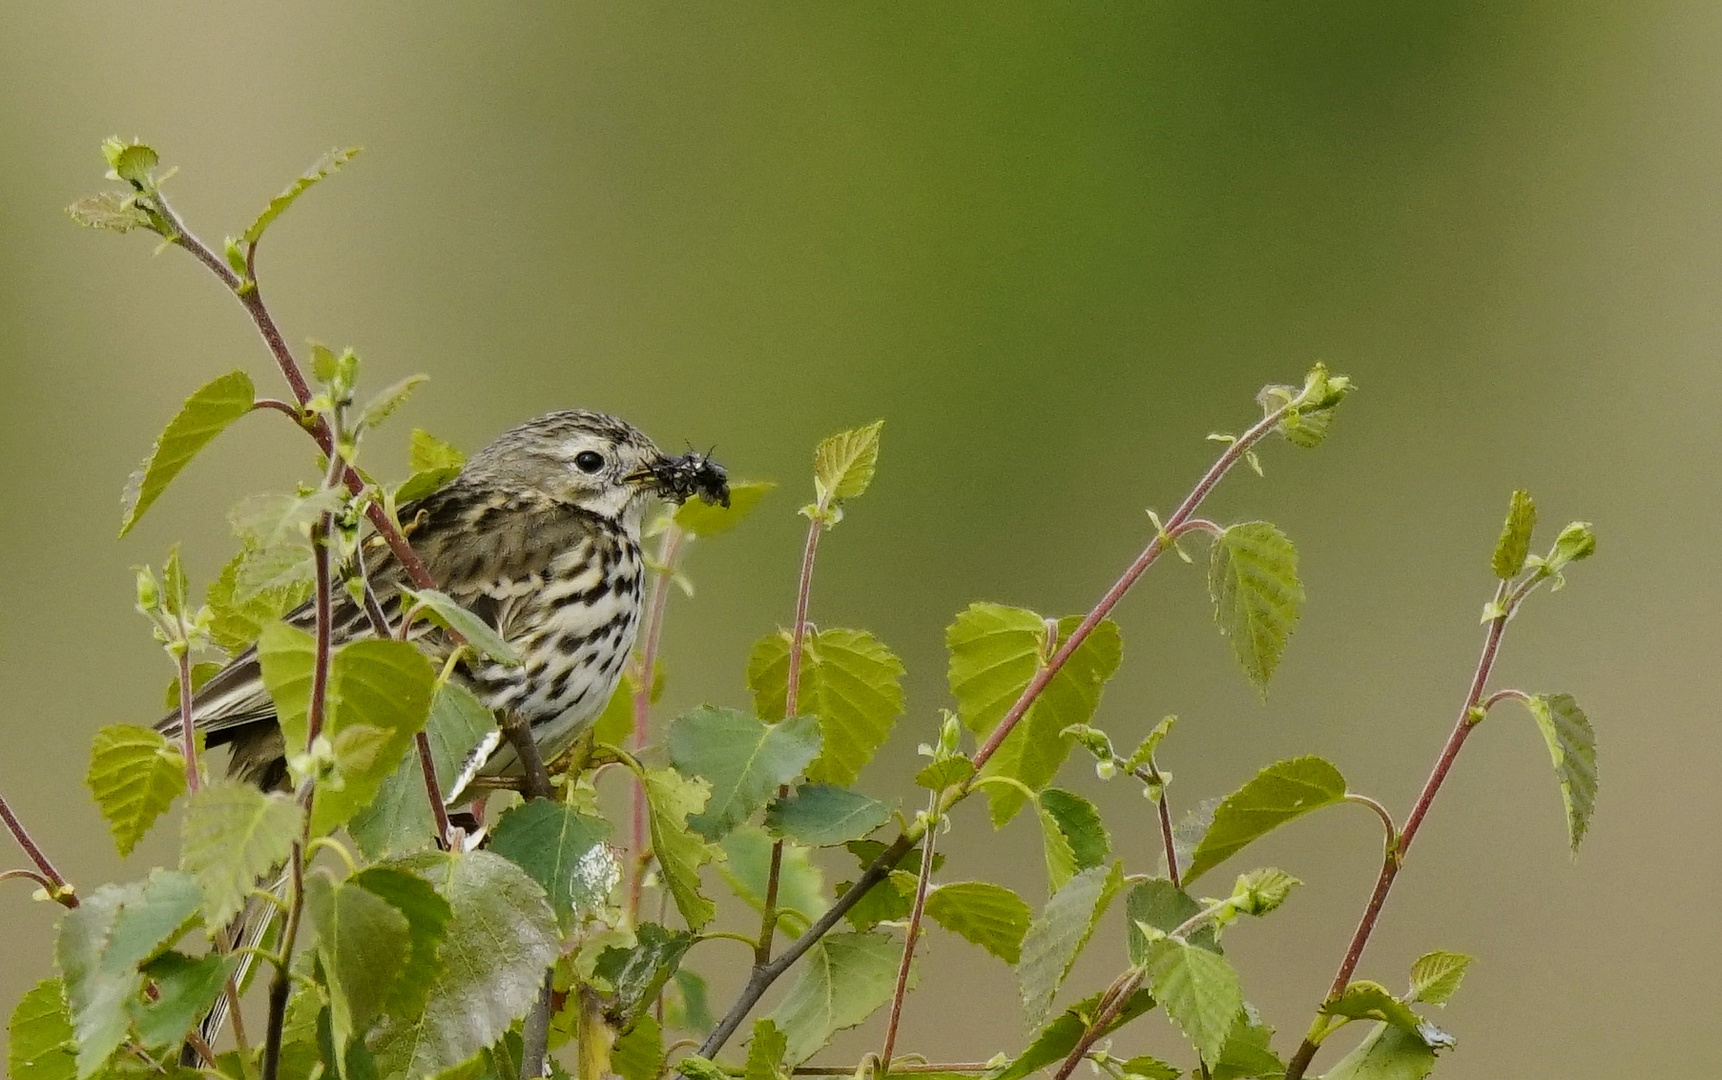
1054 246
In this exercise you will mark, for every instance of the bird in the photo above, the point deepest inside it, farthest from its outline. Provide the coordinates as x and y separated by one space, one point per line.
539 536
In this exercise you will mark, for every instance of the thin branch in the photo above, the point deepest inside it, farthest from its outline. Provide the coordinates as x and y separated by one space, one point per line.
1395 858
188 737
1499 696
1150 774
668 550
1380 812
1102 1020
283 981
50 880
914 931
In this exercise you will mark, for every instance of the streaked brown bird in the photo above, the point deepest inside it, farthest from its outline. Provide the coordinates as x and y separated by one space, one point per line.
539 536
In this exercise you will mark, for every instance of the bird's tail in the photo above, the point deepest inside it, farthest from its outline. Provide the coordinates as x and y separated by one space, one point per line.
245 934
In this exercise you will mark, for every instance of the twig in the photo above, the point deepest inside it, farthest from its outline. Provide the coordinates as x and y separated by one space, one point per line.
188 738
668 549
50 878
914 931
764 975
1150 774
283 982
1103 1019
1395 858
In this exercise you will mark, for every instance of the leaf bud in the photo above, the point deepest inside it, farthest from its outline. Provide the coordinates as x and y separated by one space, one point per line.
149 591
1576 541
1105 768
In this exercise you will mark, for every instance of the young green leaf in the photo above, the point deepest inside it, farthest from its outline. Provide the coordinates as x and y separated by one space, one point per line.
696 517
639 1052
185 988
744 760
1165 907
765 1052
564 851
695 1067
135 774
433 462
1515 541
1366 1000
428 916
940 775
102 944
843 464
1199 990
41 1046
1053 941
1577 541
1144 751
825 815
849 680
1572 748
130 161
282 569
461 732
234 625
1261 891
325 165
995 652
204 415
447 613
1435 977
685 1006
1188 833
363 944
841 981
1312 405
1148 1067
1282 792
1058 1038
1252 578
680 852
389 399
115 210
1248 1051
747 866
1069 822
989 915
1387 1053
234 834
501 937
639 973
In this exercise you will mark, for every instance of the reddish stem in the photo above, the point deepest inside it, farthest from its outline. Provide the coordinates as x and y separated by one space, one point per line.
60 891
325 619
915 914
1166 839
1395 858
187 735
1102 1020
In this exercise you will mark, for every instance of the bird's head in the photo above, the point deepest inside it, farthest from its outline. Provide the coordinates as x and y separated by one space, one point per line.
596 462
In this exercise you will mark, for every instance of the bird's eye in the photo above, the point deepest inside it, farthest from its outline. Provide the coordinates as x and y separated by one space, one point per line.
588 461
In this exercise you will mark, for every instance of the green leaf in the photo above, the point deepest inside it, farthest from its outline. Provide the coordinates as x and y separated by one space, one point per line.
942 774
501 938
1252 578
282 570
1188 833
840 982
447 613
1054 940
680 853
1577 541
41 1046
278 520
989 915
1144 753
130 162
1058 1038
1261 891
433 462
101 945
1515 541
1147 1067
1165 907
204 415
234 834
564 851
1366 1000
639 973
1388 1053
378 698
843 464
695 1067
461 733
995 652
1248 1051
363 944
389 399
1572 748
696 517
1282 792
747 867
116 210
185 988
1199 990
1072 835
135 775
325 165
685 1005
765 1052
1435 976
1312 405
639 1053
824 815
427 915
849 680
744 760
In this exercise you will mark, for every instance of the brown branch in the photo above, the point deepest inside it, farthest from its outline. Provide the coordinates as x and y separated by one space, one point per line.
50 878
914 930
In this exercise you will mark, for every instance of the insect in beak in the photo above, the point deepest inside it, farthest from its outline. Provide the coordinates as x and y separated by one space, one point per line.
678 479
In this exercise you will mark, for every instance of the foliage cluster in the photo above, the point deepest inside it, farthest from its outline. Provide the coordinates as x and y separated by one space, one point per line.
563 939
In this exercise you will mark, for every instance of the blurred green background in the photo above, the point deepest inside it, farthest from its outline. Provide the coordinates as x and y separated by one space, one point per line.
1054 246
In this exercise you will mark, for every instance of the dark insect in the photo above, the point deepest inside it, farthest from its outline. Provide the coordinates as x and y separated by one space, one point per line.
693 473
